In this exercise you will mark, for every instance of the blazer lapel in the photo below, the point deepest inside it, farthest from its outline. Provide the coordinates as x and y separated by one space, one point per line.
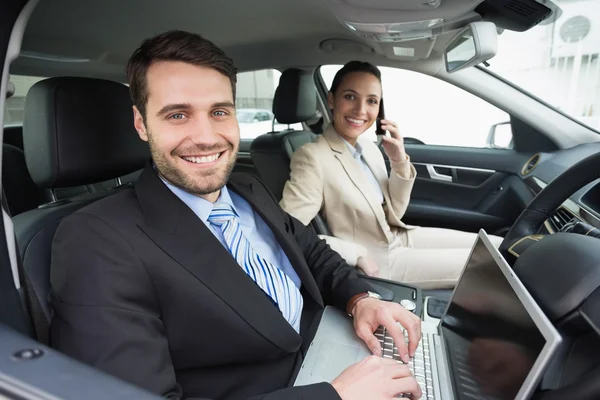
372 156
268 211
355 173
172 226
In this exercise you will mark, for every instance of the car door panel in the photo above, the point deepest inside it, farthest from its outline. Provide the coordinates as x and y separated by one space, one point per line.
466 188
453 174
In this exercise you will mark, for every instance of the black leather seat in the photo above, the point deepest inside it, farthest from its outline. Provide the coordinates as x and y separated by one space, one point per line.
77 131
295 101
22 194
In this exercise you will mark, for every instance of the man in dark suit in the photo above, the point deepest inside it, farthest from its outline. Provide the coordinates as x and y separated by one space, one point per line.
198 285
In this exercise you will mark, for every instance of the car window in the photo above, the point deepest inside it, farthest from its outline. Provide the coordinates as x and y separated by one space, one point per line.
254 101
432 111
244 116
558 62
15 105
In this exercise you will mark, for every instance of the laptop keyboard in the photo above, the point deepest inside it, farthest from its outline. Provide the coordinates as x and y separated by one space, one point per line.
420 364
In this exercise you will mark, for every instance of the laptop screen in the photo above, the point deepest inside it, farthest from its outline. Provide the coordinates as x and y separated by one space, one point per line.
492 342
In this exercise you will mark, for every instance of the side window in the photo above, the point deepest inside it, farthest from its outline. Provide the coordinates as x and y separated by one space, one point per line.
15 105
254 101
431 111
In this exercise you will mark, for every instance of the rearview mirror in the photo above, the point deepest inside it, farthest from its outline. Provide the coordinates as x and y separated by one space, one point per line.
473 44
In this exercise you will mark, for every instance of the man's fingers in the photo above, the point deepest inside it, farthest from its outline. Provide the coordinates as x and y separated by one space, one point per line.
397 334
407 385
412 324
390 362
399 371
403 381
365 333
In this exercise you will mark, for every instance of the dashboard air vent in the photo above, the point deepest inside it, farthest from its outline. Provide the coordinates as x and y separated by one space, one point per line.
559 219
530 164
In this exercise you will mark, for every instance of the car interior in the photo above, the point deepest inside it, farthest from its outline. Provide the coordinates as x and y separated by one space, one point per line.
540 190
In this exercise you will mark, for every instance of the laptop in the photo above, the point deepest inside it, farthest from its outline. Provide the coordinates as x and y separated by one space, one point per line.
493 341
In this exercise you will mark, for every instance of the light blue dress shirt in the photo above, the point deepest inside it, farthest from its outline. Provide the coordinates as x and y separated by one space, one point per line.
356 152
253 227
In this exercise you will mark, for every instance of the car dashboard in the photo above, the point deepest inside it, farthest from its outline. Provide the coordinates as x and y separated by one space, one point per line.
583 205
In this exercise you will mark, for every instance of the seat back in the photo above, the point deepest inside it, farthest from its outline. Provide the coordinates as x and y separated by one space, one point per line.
76 131
295 101
22 194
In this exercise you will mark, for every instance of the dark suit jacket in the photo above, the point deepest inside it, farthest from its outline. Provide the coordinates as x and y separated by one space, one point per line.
145 292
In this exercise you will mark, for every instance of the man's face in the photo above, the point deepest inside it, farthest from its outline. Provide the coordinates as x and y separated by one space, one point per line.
190 126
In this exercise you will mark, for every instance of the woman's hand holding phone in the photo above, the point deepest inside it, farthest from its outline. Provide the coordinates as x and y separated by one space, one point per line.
394 144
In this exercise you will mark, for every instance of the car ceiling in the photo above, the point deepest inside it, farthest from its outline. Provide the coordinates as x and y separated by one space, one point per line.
256 34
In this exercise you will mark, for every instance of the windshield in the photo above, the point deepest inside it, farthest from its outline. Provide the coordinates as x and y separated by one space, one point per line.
558 62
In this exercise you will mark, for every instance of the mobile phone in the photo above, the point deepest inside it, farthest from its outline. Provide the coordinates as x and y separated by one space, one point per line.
378 130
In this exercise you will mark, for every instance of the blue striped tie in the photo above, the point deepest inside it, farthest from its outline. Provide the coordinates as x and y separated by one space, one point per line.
273 281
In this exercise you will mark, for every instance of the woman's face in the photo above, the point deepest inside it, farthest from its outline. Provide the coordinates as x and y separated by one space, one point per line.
355 104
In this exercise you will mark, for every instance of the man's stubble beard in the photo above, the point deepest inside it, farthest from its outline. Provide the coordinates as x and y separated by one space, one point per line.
193 184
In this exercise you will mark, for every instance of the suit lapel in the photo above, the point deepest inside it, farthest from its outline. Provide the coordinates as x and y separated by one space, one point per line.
355 173
372 156
172 226
272 217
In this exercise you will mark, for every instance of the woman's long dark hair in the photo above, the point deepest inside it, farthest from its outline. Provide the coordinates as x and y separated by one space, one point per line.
350 67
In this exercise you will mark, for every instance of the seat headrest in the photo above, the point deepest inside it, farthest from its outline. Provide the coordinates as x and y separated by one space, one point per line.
295 98
79 131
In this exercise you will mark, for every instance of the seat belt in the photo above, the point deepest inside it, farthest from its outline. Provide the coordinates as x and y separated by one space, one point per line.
12 310
28 301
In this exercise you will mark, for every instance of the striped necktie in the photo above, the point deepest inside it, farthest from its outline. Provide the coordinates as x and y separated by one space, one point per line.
273 281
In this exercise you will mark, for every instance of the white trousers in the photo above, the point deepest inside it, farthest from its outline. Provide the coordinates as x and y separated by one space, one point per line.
429 258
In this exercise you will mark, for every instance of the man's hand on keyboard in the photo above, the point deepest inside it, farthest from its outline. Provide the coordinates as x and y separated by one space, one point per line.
376 378
369 314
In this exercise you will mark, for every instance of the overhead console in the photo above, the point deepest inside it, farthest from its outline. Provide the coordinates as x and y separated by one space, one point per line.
388 21
409 28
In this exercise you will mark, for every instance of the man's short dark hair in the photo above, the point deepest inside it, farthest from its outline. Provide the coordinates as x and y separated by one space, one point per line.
174 46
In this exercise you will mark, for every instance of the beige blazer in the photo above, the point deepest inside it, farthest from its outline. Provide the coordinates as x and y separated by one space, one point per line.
326 179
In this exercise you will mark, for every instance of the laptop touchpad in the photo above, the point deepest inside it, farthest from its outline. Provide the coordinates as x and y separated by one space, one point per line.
332 359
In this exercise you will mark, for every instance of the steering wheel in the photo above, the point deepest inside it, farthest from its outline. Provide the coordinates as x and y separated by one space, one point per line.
549 199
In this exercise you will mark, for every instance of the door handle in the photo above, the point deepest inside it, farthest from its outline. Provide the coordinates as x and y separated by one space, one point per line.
433 174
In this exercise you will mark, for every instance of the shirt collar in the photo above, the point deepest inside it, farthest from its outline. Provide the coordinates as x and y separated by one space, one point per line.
202 208
356 151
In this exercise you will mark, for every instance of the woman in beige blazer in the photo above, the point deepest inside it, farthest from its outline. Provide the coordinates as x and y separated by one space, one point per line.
343 176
